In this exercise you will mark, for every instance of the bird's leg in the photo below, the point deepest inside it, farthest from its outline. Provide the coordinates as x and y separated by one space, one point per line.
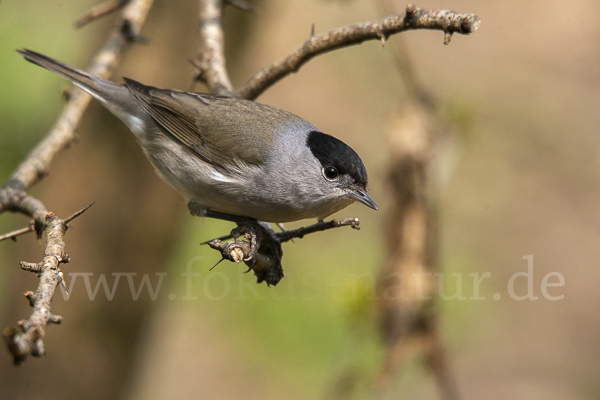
227 217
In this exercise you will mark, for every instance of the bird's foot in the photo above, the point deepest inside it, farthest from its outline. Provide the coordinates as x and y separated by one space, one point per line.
259 248
252 228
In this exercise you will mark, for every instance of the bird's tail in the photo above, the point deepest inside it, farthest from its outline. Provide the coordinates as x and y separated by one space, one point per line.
92 85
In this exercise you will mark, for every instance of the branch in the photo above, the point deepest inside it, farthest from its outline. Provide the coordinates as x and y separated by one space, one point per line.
99 11
266 263
414 18
13 235
299 233
14 197
210 64
31 340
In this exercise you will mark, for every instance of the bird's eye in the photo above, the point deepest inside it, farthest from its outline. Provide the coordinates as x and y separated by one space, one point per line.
330 173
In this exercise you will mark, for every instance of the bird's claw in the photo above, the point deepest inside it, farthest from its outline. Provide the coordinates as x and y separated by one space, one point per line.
251 227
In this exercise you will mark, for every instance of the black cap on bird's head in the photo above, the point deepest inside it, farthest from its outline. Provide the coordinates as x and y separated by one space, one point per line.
339 160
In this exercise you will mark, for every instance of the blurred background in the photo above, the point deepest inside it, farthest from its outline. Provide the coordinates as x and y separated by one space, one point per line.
522 177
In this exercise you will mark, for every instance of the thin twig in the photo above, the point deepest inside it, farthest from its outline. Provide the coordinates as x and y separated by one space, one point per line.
78 213
99 11
13 235
318 227
210 65
414 18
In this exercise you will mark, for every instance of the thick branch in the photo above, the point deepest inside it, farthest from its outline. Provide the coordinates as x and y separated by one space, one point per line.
211 60
414 18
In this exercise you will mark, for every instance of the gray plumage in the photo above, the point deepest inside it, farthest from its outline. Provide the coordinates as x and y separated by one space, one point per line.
233 156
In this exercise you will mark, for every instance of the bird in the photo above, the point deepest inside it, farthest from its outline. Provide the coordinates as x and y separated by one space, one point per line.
230 158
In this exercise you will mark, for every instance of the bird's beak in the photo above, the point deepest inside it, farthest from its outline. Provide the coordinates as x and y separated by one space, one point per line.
363 197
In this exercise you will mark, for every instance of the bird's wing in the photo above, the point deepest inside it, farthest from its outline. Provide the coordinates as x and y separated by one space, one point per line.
221 131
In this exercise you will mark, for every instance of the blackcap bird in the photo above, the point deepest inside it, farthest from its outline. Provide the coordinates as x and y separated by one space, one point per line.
231 158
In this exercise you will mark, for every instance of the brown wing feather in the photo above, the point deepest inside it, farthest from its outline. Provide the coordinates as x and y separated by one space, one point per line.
219 130
180 127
